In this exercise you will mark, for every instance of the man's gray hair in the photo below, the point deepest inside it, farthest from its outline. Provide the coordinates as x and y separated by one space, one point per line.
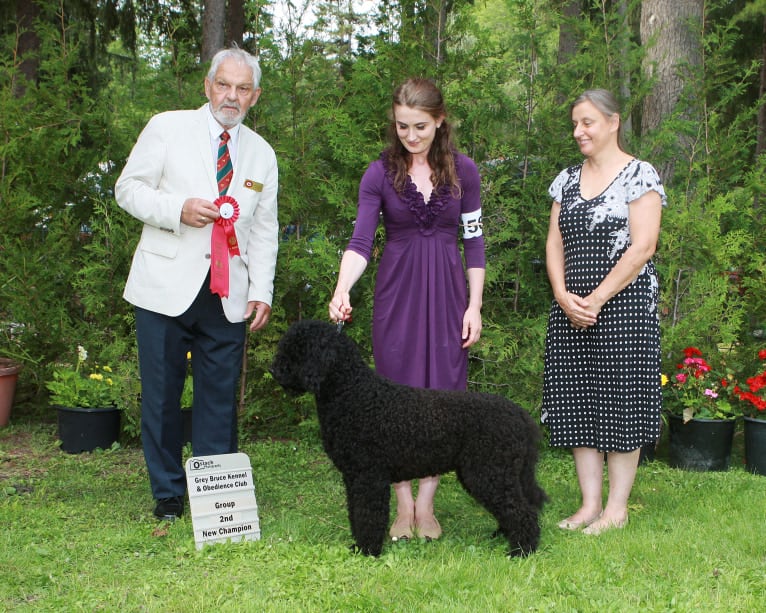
239 55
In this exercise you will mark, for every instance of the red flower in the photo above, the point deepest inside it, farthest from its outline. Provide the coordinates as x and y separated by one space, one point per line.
755 385
697 366
690 352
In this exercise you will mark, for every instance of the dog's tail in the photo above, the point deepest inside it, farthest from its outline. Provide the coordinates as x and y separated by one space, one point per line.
534 493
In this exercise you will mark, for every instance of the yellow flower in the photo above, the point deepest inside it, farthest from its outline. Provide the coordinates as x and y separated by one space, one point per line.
664 379
106 368
97 376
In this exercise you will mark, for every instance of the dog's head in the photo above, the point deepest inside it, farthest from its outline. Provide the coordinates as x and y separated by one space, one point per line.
306 354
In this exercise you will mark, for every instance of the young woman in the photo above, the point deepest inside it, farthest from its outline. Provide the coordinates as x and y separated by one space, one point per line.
424 316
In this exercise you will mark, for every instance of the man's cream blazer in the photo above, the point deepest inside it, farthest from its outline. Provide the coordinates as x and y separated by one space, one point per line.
170 162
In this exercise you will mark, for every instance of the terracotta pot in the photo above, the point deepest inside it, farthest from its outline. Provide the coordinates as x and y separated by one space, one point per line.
9 374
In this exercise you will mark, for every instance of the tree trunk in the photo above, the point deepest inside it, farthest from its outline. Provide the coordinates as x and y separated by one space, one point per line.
570 10
624 42
760 143
28 43
761 138
235 23
435 28
668 35
213 20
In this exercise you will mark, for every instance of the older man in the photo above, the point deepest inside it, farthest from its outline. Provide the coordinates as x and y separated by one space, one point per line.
205 188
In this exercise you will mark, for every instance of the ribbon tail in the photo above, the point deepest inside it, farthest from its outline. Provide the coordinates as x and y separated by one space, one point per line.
219 262
231 239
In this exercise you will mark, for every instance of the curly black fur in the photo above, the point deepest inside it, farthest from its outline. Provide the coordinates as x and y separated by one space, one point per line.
377 432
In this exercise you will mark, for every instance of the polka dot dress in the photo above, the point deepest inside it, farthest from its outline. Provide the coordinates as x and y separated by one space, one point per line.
602 384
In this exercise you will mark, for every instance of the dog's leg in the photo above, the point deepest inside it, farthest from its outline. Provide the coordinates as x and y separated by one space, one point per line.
517 519
368 499
521 528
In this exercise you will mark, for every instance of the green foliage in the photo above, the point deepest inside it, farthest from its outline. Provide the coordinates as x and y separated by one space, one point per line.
83 385
65 247
509 361
52 156
711 244
700 301
187 394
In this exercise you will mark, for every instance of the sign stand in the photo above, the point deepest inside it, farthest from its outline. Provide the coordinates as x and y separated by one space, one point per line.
222 499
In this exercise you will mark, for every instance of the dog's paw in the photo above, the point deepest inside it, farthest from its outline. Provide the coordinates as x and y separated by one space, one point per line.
520 552
373 552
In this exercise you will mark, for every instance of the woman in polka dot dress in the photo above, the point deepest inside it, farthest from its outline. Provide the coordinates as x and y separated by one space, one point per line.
601 391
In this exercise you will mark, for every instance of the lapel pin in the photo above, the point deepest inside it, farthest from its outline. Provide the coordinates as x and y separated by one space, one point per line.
254 185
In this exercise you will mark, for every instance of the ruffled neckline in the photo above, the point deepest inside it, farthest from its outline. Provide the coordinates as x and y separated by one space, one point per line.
425 213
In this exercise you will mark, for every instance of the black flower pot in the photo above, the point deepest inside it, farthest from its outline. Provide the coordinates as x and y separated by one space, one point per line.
82 429
700 444
647 453
186 421
755 445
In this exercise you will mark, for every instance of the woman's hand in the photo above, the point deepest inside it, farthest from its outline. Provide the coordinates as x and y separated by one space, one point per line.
352 266
340 306
471 326
581 312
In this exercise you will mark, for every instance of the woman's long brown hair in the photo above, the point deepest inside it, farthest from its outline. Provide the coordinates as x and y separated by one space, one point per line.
423 95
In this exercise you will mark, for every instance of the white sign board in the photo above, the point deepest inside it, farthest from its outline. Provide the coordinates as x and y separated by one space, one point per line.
222 499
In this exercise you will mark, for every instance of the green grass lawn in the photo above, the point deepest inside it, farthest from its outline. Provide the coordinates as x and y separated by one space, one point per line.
77 534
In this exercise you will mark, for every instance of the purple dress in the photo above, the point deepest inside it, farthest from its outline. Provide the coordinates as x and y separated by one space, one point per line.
421 289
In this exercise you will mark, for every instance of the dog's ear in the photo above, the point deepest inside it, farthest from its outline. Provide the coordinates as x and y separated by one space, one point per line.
321 354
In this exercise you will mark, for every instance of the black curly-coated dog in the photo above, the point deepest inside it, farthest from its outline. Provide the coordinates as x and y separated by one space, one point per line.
377 432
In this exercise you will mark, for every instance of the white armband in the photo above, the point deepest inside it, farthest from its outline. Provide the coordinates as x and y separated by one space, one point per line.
471 223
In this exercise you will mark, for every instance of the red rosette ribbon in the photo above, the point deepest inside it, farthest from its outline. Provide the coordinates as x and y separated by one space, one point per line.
223 244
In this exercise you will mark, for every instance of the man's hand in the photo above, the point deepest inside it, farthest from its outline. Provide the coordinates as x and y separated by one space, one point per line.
198 212
262 313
